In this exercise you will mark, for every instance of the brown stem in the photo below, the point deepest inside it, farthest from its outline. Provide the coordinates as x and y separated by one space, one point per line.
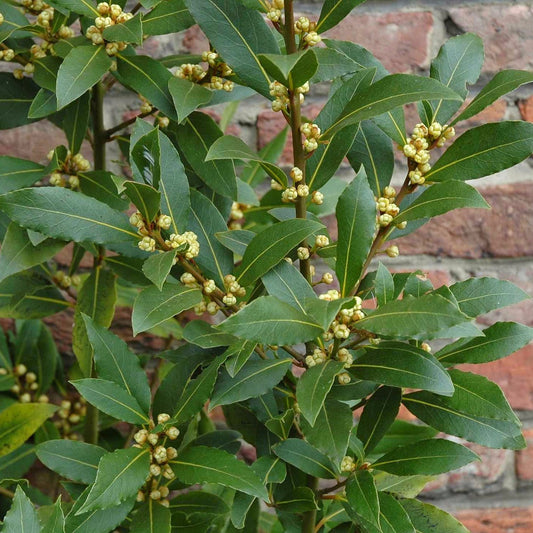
109 133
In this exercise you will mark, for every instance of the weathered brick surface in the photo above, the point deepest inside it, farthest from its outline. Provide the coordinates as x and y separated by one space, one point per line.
526 109
505 30
524 459
510 520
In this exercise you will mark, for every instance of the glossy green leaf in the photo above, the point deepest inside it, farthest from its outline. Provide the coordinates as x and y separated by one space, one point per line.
299 500
402 365
502 83
429 519
82 68
356 219
22 516
18 253
74 460
167 17
331 430
101 185
206 336
120 475
115 362
201 464
144 197
19 422
333 11
500 340
271 245
436 412
43 105
303 456
292 70
149 78
386 94
362 498
112 399
187 96
403 433
239 34
130 31
199 501
96 299
52 518
18 173
457 64
45 74
483 151
313 387
81 7
152 517
154 306
270 321
76 122
235 240
254 379
416 318
428 457
384 285
441 198
16 97
157 267
379 413
393 518
238 355
67 215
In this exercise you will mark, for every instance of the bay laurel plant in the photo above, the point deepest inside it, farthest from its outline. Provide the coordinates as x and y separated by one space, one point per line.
308 344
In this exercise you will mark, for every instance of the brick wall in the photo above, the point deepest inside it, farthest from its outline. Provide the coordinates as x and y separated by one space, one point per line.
495 496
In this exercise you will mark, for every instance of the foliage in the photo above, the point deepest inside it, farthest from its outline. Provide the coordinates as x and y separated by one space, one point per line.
185 225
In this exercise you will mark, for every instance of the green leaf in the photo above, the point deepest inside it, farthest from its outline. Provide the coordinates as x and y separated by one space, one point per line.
362 496
19 422
478 296
18 173
16 97
81 7
281 425
145 198
22 516
235 240
83 67
270 321
204 335
356 219
239 34
115 362
386 94
331 430
441 198
271 245
152 517
45 74
52 518
157 267
303 456
187 96
286 283
500 340
254 379
201 464
298 500
402 365
403 433
149 78
384 285
333 11
120 475
43 105
198 501
393 518
130 31
76 122
18 253
153 306
404 486
502 83
167 17
196 135
64 214
437 412
292 70
74 460
96 299
483 151
313 387
238 355
415 318
111 399
429 519
428 457
373 149
457 64
379 413
101 185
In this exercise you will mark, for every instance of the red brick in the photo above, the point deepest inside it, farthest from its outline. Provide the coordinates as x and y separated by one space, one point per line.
505 30
526 109
195 41
513 374
509 520
503 231
400 39
524 458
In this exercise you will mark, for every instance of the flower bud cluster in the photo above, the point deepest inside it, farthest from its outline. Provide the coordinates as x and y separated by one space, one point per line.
187 241
233 289
317 358
348 464
344 356
321 241
217 71
7 55
387 210
68 417
65 281
236 215
274 10
188 71
311 132
110 14
66 175
422 140
306 28
160 456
